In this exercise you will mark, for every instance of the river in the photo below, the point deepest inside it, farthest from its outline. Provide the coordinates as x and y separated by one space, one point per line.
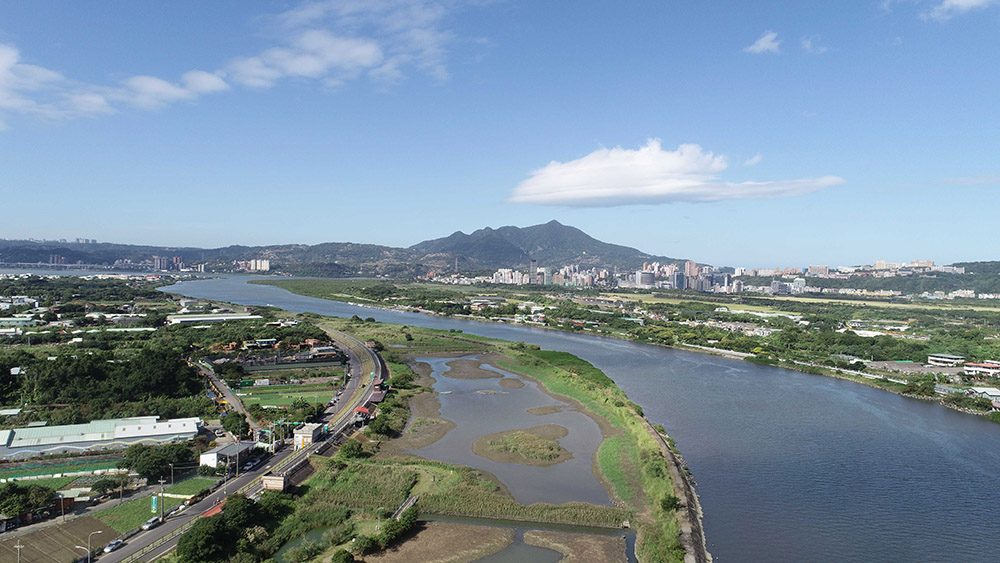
790 466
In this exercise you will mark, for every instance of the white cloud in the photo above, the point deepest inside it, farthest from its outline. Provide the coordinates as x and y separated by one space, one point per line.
811 45
768 42
312 54
754 160
151 93
946 9
329 41
649 175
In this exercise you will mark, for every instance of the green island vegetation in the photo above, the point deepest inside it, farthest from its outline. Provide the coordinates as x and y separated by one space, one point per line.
820 335
537 445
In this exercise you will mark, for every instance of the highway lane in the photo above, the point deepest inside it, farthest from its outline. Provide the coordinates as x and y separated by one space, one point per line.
363 362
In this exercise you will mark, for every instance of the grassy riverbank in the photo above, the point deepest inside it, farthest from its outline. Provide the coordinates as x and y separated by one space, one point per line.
630 460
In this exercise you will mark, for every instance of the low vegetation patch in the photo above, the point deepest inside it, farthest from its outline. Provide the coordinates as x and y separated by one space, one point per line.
537 445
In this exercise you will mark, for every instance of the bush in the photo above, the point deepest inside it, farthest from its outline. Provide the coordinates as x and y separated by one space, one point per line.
342 556
351 449
669 503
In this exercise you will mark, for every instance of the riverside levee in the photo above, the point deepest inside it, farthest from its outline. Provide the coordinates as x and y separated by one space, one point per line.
790 466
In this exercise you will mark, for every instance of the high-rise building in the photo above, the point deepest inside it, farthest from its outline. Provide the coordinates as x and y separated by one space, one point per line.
532 271
677 280
161 263
690 268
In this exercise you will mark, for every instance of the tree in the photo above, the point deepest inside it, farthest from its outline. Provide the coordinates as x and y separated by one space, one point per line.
104 486
153 462
236 423
351 449
209 539
342 556
240 512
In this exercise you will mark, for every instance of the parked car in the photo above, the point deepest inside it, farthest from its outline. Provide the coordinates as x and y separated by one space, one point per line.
115 544
151 523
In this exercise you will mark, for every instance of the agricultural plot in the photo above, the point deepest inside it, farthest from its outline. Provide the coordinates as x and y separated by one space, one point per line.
55 543
57 468
285 395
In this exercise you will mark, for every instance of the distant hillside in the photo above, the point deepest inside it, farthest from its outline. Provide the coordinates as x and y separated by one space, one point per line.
552 244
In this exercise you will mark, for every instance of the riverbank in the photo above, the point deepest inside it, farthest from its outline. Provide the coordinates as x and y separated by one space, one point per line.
635 464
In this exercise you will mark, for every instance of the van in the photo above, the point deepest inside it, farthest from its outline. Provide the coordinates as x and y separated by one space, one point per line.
151 523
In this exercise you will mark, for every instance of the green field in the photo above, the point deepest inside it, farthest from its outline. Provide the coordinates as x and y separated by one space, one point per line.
192 486
54 483
68 467
133 513
285 395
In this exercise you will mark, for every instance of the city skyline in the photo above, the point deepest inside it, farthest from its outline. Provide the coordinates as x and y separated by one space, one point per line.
790 135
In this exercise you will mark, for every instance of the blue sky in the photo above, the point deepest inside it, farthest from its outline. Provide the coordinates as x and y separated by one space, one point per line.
770 133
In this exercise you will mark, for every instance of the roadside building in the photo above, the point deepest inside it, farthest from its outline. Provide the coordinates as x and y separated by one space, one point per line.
212 318
990 369
946 360
99 435
307 434
230 453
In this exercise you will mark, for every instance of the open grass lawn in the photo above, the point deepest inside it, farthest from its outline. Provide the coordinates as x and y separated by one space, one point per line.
133 513
285 395
192 486
70 466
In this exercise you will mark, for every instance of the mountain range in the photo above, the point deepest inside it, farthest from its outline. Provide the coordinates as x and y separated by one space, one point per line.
551 244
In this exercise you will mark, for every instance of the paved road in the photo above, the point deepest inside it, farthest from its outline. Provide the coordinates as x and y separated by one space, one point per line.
363 362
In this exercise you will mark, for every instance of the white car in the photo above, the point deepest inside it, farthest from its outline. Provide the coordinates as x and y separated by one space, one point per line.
115 544
151 523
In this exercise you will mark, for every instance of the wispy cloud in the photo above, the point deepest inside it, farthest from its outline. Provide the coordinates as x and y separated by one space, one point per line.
649 175
329 41
754 160
946 9
812 45
768 42
974 180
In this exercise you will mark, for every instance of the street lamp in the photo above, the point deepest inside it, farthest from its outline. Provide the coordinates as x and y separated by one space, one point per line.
88 542
19 547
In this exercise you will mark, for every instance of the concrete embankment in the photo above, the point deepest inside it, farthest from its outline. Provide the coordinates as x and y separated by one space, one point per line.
692 534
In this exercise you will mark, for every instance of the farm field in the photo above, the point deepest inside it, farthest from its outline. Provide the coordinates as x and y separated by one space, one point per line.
133 513
192 486
59 468
285 395
55 543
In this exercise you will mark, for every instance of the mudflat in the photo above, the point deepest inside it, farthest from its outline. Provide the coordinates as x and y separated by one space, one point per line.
511 383
579 548
442 542
469 369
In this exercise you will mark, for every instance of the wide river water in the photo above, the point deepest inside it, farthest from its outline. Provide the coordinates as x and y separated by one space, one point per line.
790 466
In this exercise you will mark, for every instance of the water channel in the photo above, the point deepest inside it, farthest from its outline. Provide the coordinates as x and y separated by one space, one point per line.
790 466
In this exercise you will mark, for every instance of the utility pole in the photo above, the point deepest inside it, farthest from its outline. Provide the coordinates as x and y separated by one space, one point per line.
171 474
162 481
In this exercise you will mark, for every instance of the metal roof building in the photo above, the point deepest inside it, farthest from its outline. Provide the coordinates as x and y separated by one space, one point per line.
98 435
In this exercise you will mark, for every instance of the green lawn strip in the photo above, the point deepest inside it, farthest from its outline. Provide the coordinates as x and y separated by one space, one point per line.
69 467
54 483
609 456
133 513
191 486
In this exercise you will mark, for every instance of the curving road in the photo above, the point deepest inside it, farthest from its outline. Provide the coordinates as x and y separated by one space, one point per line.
152 544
